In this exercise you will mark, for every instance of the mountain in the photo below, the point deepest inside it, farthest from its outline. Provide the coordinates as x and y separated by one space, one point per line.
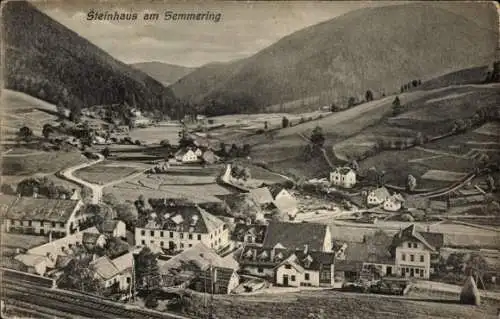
46 60
374 48
164 73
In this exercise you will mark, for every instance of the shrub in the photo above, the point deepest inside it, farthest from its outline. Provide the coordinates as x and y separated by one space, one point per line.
151 301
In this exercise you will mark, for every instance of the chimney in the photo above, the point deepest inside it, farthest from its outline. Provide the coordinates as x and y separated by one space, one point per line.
306 249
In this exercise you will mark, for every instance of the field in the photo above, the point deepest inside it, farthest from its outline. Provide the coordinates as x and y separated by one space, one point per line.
155 134
447 176
200 188
40 162
107 172
24 241
339 305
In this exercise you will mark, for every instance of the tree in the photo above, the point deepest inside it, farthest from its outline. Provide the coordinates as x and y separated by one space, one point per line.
61 110
146 270
334 108
76 114
317 137
165 143
354 165
106 152
265 125
369 96
47 130
456 262
351 101
79 274
127 212
25 133
411 182
285 122
397 108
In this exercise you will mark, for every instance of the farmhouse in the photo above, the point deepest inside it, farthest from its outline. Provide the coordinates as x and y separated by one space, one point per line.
343 177
377 196
293 236
41 216
114 228
180 227
305 268
186 156
393 203
201 269
414 251
261 195
286 203
116 272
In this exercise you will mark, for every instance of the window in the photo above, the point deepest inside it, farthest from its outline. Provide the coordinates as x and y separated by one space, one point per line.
412 257
152 233
199 236
161 234
171 234
53 224
181 235
211 236
306 276
415 245
143 233
409 245
61 225
190 236
403 257
162 243
41 224
293 278
288 267
30 223
128 280
143 242
152 242
422 258
190 245
182 245
260 270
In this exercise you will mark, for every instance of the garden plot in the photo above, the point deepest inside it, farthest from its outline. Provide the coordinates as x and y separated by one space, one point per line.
107 172
439 175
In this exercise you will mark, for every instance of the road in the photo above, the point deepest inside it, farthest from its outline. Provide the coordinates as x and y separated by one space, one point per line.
96 189
77 304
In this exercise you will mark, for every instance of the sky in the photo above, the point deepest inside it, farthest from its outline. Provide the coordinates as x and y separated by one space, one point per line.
244 29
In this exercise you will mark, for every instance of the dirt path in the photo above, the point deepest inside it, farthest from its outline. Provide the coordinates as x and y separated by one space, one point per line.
96 189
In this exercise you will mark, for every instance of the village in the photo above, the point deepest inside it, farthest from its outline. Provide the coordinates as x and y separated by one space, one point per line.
348 231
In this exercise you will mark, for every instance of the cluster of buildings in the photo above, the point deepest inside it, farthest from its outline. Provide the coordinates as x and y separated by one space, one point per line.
189 155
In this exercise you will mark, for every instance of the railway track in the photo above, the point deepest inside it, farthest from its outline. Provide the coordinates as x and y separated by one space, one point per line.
76 303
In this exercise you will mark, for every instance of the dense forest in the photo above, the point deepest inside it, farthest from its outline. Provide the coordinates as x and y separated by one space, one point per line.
48 61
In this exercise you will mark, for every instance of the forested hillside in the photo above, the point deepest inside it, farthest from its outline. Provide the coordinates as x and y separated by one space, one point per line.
375 49
48 61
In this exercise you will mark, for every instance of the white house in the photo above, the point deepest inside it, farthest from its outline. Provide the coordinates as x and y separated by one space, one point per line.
114 228
198 152
186 156
377 196
286 202
414 252
114 272
343 177
41 216
303 268
180 227
394 202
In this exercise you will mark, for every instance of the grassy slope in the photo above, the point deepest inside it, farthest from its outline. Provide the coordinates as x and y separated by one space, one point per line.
163 72
340 57
338 305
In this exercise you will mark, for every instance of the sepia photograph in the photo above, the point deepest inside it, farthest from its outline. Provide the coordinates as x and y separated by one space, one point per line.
249 159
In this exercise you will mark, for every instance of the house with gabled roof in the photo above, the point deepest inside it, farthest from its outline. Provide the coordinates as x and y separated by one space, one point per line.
377 196
117 271
306 268
394 202
248 233
41 216
114 228
261 195
181 226
201 269
296 235
186 155
414 251
343 176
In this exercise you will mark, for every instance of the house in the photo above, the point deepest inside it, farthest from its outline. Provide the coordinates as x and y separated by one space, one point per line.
394 202
285 202
93 240
201 269
278 194
248 234
186 156
296 235
377 196
306 268
180 226
114 228
116 272
41 216
242 205
261 195
414 251
343 177
36 264
261 261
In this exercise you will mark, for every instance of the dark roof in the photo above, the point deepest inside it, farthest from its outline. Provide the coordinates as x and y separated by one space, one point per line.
342 170
296 235
259 231
108 226
186 218
348 265
90 238
241 204
312 260
432 241
42 209
368 252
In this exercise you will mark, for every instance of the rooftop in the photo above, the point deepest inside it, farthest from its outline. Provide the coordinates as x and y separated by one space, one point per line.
262 195
296 235
40 209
